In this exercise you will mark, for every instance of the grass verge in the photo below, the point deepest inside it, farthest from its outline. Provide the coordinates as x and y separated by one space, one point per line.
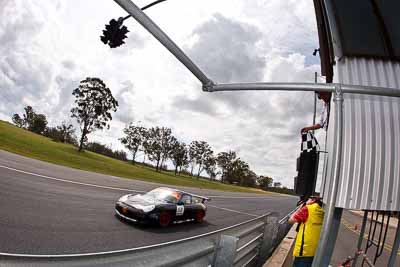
25 143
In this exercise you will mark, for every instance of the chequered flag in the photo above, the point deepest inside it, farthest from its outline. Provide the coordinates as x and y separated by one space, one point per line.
309 142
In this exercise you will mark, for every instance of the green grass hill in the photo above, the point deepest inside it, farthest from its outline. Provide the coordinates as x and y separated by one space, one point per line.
26 143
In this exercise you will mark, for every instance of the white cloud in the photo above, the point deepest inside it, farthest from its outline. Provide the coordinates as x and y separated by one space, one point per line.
49 46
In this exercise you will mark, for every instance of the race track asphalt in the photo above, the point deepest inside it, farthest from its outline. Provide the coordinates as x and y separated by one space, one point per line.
50 209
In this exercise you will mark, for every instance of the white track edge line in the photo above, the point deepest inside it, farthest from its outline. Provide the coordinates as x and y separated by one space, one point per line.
108 187
114 188
235 211
69 181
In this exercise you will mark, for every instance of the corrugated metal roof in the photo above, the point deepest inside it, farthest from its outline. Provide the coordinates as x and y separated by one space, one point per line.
370 174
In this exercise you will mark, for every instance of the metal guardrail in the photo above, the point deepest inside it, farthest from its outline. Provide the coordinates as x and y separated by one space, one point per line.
249 243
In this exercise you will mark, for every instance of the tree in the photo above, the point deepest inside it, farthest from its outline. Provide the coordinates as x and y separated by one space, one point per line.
94 101
178 154
67 133
224 161
238 171
185 161
53 133
158 144
62 133
38 124
202 151
265 182
18 121
210 166
249 179
192 156
134 138
29 116
31 120
167 142
105 150
146 148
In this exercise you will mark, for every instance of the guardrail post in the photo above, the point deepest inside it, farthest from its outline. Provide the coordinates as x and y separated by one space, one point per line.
269 237
225 251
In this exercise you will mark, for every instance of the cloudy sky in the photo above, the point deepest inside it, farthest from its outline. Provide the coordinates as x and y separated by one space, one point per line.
47 47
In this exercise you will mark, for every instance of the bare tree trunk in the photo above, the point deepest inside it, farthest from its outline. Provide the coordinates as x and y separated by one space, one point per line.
81 143
82 139
133 157
198 172
158 163
161 164
191 171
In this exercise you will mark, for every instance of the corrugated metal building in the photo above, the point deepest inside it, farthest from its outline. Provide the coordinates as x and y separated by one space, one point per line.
370 174
364 49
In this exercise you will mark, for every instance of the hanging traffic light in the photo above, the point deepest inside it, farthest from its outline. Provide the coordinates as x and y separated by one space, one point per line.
114 34
119 37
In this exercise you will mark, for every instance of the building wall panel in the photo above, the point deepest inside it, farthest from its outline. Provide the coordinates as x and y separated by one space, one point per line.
370 173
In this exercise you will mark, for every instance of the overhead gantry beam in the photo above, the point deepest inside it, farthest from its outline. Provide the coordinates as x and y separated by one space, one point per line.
210 86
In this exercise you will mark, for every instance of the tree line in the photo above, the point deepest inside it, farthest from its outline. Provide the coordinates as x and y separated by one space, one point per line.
94 104
64 133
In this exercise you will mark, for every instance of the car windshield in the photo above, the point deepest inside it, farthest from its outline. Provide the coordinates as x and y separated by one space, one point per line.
163 194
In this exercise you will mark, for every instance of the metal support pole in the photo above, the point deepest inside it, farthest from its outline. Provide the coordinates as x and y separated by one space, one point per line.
323 87
272 86
396 245
163 38
315 100
361 237
333 215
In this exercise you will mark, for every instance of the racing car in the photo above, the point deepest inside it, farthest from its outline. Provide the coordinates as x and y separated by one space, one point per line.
162 205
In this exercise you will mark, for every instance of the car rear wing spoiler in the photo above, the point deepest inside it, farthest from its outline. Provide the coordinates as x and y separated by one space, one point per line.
203 199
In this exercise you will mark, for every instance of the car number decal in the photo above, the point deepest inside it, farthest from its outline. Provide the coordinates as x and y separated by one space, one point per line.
180 210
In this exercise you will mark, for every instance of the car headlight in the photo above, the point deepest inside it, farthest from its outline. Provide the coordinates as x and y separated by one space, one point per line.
123 198
144 208
148 208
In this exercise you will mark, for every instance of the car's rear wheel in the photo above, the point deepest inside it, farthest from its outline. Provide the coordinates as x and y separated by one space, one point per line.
165 219
200 216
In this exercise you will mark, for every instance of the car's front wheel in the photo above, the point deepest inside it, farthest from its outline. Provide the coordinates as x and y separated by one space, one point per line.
165 219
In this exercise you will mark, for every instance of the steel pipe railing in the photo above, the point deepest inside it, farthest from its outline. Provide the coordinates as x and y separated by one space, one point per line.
163 38
310 87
